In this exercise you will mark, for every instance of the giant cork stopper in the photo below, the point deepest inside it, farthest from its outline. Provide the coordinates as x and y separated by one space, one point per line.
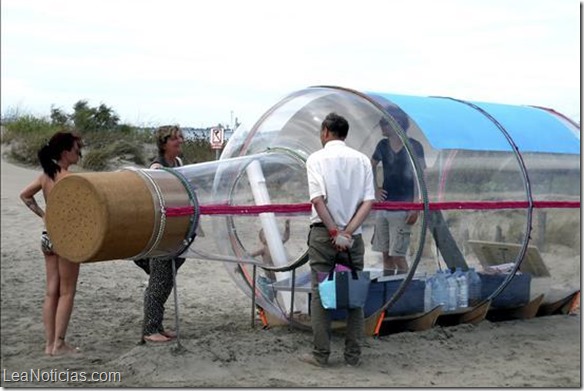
116 215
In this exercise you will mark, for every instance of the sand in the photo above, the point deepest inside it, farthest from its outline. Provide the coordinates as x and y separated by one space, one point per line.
218 346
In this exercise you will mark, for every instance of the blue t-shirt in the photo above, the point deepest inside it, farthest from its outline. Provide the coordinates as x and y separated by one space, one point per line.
398 171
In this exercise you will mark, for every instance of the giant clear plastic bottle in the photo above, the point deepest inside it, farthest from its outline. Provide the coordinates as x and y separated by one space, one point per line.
474 287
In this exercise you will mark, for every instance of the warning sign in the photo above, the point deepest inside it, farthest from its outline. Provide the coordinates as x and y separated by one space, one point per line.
217 138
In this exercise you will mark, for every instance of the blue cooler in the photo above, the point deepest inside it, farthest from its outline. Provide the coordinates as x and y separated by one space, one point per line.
410 302
515 294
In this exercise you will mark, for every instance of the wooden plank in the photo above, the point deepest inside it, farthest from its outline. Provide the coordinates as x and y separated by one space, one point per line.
478 313
498 253
527 311
472 315
414 322
561 306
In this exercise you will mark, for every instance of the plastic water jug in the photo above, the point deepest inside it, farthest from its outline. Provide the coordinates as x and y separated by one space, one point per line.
452 289
439 294
474 287
462 294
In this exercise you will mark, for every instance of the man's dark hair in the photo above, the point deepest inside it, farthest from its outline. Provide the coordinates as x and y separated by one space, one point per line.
336 124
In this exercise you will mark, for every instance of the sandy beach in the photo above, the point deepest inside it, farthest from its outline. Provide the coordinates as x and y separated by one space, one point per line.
218 346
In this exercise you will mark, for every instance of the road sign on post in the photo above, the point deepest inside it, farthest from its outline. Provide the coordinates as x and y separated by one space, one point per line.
217 138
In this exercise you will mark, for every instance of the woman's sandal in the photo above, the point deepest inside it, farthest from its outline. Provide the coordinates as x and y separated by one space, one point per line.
156 338
169 334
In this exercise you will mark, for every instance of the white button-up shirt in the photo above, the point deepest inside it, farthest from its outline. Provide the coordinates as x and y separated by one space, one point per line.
343 176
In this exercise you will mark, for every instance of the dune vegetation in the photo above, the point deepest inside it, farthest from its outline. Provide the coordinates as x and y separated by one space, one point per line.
108 144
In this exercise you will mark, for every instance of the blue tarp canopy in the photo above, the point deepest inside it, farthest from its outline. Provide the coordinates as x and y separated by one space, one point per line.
452 124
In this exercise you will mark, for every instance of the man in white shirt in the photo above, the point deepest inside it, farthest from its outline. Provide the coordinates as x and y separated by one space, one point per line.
340 184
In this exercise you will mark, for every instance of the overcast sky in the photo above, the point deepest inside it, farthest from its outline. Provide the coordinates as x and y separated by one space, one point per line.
199 63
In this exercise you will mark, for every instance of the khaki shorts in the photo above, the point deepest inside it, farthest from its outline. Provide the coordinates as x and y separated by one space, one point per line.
392 234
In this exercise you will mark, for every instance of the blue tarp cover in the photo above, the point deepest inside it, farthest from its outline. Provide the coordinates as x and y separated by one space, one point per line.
450 124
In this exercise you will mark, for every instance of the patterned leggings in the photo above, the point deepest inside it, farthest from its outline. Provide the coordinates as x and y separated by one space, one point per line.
157 292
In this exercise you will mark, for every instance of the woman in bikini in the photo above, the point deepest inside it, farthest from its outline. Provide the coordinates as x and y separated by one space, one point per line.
62 150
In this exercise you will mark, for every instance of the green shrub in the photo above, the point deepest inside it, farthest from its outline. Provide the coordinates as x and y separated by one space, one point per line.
105 148
25 149
111 156
27 128
96 159
197 151
128 150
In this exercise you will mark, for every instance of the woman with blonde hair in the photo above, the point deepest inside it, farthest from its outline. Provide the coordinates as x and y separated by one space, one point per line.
168 140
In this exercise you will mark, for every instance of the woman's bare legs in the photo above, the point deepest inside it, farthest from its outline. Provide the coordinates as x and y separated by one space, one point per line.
51 300
68 273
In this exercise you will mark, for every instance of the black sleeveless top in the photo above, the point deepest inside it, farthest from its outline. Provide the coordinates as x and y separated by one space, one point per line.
162 161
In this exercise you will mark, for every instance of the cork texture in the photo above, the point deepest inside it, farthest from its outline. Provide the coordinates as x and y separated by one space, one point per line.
100 216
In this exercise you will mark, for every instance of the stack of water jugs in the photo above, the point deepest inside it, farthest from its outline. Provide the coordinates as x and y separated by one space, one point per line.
452 290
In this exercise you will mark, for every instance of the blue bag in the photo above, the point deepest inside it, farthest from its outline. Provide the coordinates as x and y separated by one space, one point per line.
344 290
